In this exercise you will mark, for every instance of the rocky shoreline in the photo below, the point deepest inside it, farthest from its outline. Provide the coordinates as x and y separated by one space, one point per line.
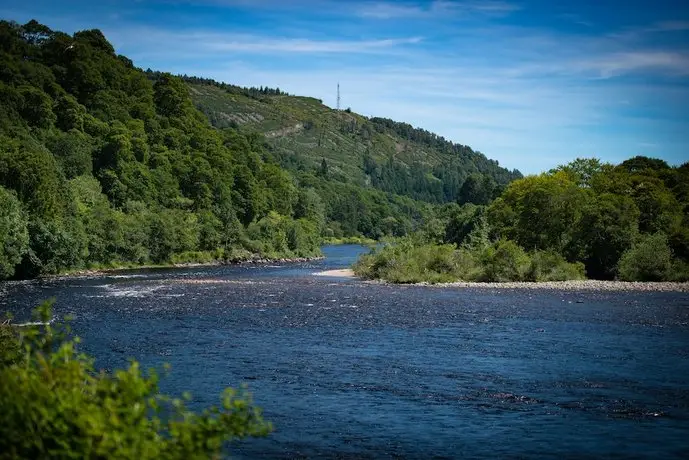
579 285
574 285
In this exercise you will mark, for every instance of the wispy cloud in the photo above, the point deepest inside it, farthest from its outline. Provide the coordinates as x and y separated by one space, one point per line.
260 45
668 26
146 43
436 9
391 10
612 65
608 65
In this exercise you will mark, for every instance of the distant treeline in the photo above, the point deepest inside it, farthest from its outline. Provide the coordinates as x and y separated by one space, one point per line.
252 91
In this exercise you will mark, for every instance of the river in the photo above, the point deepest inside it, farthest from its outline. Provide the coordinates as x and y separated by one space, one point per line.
347 369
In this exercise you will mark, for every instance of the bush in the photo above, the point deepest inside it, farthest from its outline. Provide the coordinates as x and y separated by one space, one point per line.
10 347
408 262
679 272
53 405
504 261
405 263
551 266
650 259
468 264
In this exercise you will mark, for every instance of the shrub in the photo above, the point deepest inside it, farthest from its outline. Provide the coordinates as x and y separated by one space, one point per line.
679 272
504 261
551 266
468 264
649 259
10 347
53 405
405 263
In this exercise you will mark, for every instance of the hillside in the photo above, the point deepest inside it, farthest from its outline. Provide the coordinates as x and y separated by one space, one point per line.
388 155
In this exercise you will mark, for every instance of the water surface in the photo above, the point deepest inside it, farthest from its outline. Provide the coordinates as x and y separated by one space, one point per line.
346 369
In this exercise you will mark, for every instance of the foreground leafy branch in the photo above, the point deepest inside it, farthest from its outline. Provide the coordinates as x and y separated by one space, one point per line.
54 405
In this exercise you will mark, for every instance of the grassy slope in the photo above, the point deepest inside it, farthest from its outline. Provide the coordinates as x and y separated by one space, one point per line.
303 131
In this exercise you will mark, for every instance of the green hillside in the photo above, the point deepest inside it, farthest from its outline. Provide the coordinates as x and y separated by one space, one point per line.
388 155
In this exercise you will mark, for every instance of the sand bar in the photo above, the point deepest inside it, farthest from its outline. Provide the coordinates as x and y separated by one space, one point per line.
343 273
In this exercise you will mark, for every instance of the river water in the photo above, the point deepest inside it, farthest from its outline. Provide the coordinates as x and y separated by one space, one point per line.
347 369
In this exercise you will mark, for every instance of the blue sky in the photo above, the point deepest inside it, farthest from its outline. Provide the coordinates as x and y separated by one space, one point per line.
531 84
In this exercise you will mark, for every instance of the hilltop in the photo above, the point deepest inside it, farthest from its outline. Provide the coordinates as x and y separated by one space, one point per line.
391 156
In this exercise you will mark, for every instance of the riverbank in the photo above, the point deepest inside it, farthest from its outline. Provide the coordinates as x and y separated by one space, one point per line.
577 285
254 260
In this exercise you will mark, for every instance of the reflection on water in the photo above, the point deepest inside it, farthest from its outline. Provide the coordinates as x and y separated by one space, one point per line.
346 369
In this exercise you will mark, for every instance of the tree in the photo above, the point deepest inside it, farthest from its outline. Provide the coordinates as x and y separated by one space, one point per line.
608 227
30 170
642 163
310 206
53 247
171 96
582 170
323 170
54 405
504 261
477 189
649 259
72 151
469 218
279 185
539 212
14 234
69 113
37 108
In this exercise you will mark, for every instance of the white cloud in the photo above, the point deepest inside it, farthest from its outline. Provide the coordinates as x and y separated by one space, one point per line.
257 44
669 26
391 10
615 64
436 9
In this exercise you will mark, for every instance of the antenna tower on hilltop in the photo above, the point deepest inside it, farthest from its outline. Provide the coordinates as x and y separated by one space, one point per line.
338 95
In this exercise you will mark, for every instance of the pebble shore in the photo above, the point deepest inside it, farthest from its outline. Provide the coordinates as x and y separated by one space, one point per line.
585 285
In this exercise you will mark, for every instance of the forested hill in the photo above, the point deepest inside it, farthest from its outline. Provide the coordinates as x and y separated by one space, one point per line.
391 156
103 164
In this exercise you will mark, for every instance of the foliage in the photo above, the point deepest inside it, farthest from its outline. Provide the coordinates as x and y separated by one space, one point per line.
10 345
13 233
627 221
408 261
539 212
608 226
477 189
649 259
464 224
504 261
551 266
54 405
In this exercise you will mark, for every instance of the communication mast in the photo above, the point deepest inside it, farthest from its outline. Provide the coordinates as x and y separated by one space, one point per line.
338 96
